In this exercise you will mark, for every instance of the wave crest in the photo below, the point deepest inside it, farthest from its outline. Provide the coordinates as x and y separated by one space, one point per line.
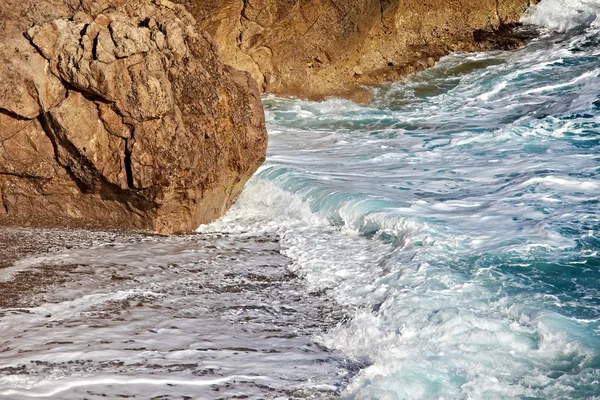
563 15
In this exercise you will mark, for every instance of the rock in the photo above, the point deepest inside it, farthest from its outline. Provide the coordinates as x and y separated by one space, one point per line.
84 145
118 113
129 39
105 47
319 48
24 91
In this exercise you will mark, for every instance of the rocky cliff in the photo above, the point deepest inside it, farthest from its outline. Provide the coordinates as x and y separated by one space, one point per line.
118 113
317 48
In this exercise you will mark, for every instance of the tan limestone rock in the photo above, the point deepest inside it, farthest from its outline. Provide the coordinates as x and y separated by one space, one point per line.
26 88
319 48
118 113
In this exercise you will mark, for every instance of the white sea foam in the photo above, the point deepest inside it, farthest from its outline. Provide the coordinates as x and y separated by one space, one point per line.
448 223
51 389
565 184
583 77
562 15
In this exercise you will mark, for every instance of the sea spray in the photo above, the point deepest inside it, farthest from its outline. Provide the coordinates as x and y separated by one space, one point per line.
562 15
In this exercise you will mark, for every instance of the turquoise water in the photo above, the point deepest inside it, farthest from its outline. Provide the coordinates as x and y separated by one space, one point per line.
456 217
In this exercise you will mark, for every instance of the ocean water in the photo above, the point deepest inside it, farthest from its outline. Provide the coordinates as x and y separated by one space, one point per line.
456 218
440 242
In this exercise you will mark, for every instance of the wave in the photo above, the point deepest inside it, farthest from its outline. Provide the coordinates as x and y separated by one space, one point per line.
455 217
563 15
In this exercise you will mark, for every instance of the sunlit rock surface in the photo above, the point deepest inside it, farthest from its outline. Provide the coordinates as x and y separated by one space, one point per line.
318 48
120 114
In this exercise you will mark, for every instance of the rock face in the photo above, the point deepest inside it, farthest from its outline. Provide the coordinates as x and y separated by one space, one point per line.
317 48
118 113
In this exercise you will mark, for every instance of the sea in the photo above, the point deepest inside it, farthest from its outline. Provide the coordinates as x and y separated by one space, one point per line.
439 242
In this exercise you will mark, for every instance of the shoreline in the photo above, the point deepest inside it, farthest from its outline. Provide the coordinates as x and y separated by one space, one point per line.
323 49
228 308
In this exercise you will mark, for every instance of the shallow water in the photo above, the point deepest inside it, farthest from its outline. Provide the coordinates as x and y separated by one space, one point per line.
182 317
456 216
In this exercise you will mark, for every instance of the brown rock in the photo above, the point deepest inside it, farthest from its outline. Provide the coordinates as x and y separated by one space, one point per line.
118 113
105 47
129 39
24 91
318 48
93 148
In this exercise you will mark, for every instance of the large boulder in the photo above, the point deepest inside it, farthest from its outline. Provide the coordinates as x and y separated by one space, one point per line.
119 113
318 48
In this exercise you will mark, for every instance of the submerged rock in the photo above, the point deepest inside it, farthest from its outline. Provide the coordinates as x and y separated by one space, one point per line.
319 48
118 113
